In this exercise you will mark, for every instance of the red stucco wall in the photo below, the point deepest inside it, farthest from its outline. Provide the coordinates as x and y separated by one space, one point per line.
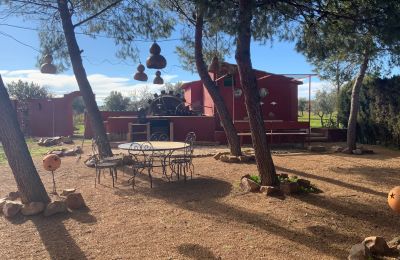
203 126
105 115
49 117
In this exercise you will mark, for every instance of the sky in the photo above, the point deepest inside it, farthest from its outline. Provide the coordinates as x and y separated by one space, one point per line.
106 72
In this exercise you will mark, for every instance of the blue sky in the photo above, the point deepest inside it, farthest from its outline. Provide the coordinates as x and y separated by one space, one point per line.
106 72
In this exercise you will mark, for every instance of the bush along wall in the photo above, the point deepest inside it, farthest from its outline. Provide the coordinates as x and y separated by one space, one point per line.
379 114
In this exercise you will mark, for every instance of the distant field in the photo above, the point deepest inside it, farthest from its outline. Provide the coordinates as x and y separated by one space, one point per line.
315 120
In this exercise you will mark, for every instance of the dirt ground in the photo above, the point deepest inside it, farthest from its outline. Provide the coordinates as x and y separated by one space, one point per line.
208 217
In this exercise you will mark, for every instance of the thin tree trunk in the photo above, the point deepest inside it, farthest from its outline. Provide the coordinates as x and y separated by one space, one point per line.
84 86
354 105
265 164
225 117
25 174
337 91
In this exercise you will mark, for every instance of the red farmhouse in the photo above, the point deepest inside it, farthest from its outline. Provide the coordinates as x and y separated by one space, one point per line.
278 101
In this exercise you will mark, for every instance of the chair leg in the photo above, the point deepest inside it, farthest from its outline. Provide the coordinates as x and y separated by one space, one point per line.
151 179
184 166
133 178
95 178
98 176
112 176
191 167
116 173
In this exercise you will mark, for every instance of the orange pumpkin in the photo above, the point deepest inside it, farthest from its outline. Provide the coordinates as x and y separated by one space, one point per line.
394 198
51 162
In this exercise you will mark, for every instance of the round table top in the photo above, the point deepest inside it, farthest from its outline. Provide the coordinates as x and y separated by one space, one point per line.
157 145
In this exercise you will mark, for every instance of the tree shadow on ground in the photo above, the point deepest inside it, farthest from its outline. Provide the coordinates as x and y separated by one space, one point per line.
375 174
55 237
197 252
373 214
201 195
333 181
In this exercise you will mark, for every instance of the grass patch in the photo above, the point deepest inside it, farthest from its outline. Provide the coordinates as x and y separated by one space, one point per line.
315 119
34 149
255 178
79 129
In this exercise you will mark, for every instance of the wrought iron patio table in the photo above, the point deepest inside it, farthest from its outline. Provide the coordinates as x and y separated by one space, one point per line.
162 149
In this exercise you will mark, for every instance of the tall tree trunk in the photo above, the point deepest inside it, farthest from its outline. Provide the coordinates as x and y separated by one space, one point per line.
265 164
354 105
25 174
225 117
337 91
84 86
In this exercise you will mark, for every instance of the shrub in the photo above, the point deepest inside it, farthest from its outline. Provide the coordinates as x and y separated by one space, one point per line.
379 113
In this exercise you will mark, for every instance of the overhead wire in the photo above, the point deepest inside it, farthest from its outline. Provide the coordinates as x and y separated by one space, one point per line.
90 34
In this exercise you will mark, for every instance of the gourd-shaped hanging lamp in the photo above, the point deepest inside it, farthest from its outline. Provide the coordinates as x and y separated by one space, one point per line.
158 79
140 75
214 66
47 67
156 60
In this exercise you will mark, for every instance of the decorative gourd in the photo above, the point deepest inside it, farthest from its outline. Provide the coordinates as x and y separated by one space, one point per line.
156 60
47 67
140 75
51 162
394 199
158 79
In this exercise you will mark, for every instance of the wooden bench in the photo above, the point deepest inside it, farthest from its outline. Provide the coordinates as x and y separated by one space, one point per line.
300 132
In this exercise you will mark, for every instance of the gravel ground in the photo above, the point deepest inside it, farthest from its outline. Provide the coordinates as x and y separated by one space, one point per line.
208 217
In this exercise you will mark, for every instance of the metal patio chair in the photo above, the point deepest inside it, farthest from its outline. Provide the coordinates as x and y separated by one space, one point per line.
103 163
183 163
143 160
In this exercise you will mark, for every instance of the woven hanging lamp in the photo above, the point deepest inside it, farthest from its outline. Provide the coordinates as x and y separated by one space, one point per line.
140 75
47 67
158 80
156 60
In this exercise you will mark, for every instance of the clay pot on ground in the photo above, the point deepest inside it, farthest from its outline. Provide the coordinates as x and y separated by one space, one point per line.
51 162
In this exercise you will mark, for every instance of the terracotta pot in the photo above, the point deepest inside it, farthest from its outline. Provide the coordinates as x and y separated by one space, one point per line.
51 162
394 199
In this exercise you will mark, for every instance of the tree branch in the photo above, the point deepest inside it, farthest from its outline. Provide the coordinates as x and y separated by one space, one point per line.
179 9
97 14
35 3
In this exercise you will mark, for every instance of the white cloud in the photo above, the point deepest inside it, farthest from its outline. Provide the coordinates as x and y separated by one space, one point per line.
101 84
315 86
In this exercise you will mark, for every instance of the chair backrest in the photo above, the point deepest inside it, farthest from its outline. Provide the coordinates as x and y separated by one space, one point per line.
95 151
141 152
190 140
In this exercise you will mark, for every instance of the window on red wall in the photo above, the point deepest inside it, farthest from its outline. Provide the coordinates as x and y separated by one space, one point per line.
228 81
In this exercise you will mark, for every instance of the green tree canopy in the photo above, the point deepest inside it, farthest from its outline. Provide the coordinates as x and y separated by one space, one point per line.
116 102
302 105
22 90
78 105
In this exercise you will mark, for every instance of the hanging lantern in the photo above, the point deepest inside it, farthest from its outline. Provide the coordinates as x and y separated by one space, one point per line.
158 79
156 60
140 75
214 66
47 67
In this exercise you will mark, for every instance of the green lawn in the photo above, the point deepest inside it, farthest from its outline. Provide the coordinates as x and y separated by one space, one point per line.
34 149
80 129
315 119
